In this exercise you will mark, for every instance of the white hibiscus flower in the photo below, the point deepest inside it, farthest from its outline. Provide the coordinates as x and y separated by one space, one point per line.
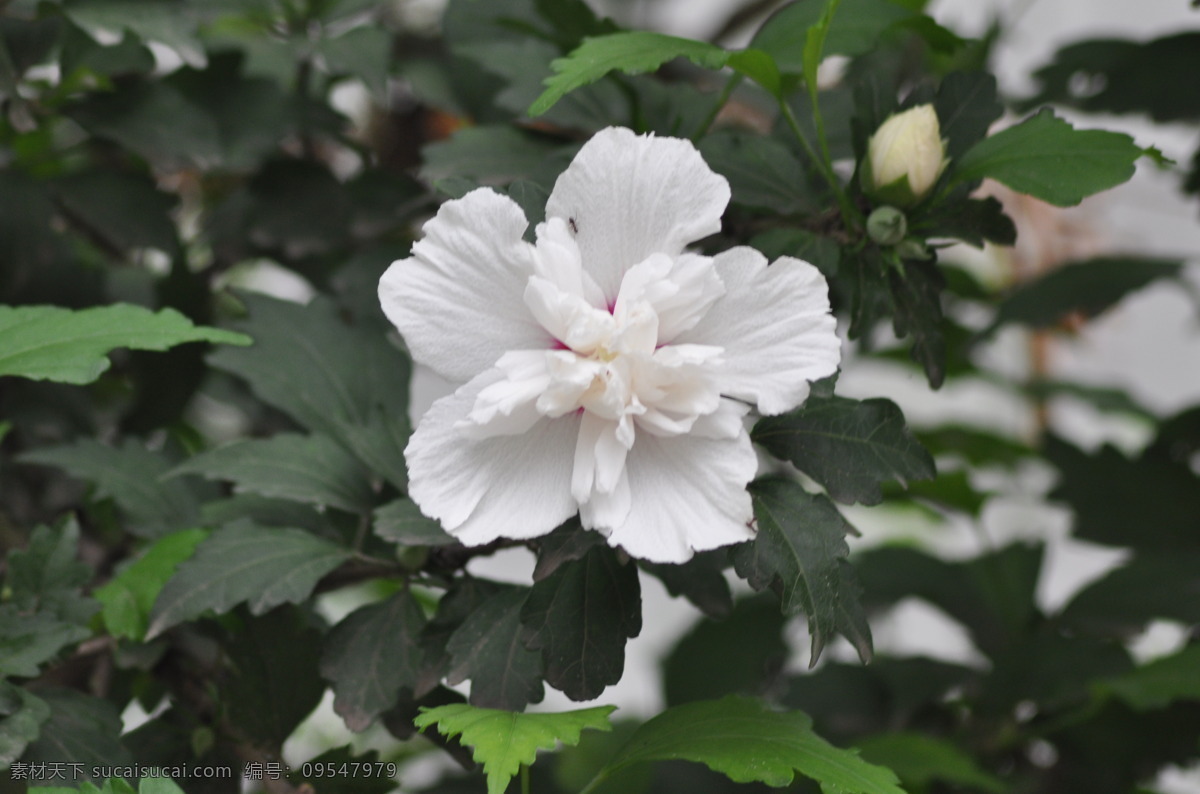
605 369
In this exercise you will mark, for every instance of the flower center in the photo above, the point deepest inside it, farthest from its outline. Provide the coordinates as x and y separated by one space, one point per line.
622 370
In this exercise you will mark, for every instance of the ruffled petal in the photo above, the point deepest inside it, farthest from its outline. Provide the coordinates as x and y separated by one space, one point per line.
627 196
776 328
481 489
459 299
687 493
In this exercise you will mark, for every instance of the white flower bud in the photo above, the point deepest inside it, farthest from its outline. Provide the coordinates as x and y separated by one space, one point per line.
905 157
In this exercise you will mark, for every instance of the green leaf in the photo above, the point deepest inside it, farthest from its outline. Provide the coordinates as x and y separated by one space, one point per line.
814 47
919 760
371 655
1089 287
1049 159
631 52
848 446
122 210
130 475
747 647
567 543
22 715
402 522
363 52
746 741
973 221
800 552
50 343
274 683
1145 504
487 649
128 597
700 580
916 298
762 172
163 23
158 785
967 106
504 740
313 469
81 730
494 154
579 618
1160 683
854 31
44 610
1147 587
244 563
356 383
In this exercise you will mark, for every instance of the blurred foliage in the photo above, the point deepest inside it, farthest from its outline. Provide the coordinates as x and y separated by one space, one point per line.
174 507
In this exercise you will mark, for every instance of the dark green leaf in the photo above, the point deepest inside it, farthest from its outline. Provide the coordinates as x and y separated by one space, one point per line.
355 382
129 596
992 596
274 684
312 468
973 221
1159 683
700 580
747 647
160 22
849 446
1124 77
81 730
504 741
579 618
130 475
1047 158
401 522
800 552
762 172
565 544
22 715
919 760
494 155
129 56
976 447
371 655
487 649
50 343
244 563
916 295
823 252
1146 504
1153 585
363 52
746 741
573 20
29 640
966 106
122 210
1090 287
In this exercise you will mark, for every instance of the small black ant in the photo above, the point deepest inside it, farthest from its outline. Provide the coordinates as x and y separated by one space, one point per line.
574 226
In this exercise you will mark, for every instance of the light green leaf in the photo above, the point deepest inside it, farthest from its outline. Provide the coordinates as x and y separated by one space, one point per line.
814 46
746 741
1049 159
52 343
158 785
4 428
919 760
129 596
243 562
504 740
313 469
1160 683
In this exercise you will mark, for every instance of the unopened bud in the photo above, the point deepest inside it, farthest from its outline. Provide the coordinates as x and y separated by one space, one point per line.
887 225
905 157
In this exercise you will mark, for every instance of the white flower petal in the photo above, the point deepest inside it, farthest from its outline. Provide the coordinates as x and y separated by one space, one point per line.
687 493
775 326
629 196
459 299
501 487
